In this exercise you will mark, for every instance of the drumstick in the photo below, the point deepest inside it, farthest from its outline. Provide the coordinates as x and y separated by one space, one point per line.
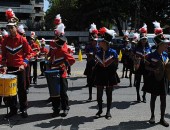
10 72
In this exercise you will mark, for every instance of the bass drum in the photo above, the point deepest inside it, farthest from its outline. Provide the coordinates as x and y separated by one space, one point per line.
8 85
53 81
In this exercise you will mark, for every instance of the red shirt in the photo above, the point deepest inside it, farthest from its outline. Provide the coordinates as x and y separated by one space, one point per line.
1 41
35 48
53 47
60 58
14 50
43 51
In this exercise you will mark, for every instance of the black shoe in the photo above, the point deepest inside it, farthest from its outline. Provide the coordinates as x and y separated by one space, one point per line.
138 99
98 114
10 114
108 116
144 99
42 74
55 114
24 114
89 99
27 91
152 120
164 123
49 100
35 82
65 113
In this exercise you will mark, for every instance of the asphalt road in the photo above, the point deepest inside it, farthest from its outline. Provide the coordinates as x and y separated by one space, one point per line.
127 114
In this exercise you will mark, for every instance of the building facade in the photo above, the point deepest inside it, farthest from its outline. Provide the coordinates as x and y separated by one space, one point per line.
29 12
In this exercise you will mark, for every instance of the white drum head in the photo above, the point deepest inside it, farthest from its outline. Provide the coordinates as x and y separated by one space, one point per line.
7 76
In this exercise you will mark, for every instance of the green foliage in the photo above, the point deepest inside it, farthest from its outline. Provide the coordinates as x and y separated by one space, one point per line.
79 14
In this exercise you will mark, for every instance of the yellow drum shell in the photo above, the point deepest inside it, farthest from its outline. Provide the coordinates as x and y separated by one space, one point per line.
8 85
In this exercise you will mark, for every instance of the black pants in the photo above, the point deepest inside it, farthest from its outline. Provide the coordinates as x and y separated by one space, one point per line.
69 70
22 95
27 76
137 85
42 66
100 95
63 99
162 105
90 84
34 64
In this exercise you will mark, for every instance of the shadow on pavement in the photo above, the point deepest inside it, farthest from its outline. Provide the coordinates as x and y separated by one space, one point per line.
118 105
130 125
76 88
167 115
34 118
39 103
73 121
40 86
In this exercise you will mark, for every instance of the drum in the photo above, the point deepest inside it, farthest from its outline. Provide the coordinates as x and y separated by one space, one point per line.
8 85
32 59
40 59
53 81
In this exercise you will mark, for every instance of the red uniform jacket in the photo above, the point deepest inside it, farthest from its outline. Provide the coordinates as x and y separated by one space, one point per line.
53 47
1 41
43 51
35 48
14 50
60 58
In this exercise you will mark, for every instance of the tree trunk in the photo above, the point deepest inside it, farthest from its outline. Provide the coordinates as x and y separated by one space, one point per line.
119 26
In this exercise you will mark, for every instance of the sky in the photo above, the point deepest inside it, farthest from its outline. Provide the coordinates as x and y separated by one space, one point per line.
45 5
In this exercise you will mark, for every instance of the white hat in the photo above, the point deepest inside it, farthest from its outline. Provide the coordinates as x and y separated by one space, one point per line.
21 29
93 29
32 35
59 29
143 29
158 29
57 19
10 16
4 33
42 41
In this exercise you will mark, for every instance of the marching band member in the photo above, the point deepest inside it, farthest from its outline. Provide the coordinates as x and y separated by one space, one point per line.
60 59
125 54
43 53
21 31
141 51
33 63
69 67
156 82
105 70
90 52
14 49
53 46
1 71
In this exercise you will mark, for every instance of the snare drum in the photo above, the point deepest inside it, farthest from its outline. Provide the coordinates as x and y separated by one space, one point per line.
8 85
32 59
53 81
40 59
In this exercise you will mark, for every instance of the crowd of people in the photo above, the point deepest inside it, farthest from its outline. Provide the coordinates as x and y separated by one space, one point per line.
18 56
138 57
